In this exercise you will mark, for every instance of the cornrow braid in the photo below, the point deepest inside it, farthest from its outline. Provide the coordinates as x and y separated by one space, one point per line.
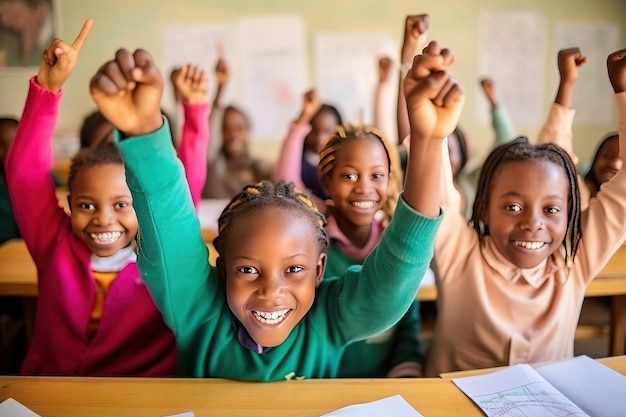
521 150
349 133
87 157
268 194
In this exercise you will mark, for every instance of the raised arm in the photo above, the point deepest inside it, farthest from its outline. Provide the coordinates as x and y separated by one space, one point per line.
415 30
289 164
30 157
381 121
172 256
191 83
558 127
500 120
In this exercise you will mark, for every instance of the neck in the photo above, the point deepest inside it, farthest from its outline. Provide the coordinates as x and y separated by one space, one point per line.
358 235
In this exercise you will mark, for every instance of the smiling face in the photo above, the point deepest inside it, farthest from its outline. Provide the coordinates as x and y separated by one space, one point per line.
527 210
272 264
101 208
607 162
235 133
358 181
323 125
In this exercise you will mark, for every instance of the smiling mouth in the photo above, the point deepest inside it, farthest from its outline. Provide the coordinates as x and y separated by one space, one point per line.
366 205
107 238
529 245
271 317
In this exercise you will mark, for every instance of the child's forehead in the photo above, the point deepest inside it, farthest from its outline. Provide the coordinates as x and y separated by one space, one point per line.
513 173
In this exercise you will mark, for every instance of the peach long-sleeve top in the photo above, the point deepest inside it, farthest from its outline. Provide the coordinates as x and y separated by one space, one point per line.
492 313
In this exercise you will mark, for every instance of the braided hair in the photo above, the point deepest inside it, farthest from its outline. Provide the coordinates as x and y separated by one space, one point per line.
268 194
521 150
348 133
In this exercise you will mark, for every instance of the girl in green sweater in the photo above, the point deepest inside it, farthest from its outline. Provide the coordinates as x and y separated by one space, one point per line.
264 313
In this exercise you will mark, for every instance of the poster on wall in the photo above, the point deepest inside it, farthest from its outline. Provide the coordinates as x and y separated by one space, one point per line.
346 74
26 29
593 95
201 45
512 53
274 74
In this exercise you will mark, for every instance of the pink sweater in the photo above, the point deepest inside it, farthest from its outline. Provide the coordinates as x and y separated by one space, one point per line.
491 313
132 339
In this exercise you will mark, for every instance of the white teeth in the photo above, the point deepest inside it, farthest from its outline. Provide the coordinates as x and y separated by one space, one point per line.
105 238
529 245
270 317
363 204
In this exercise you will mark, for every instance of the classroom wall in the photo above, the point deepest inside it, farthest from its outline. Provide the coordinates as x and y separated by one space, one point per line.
138 23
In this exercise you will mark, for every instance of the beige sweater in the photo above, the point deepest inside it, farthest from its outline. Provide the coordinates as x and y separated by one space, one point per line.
491 313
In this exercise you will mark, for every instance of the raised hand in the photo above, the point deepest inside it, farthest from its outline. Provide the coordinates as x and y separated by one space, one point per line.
59 60
221 72
415 26
128 90
384 68
310 105
191 84
616 67
488 88
568 62
434 99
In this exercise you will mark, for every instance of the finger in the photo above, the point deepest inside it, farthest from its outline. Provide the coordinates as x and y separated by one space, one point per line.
617 56
114 74
125 62
101 84
454 96
423 65
432 48
49 55
145 71
448 57
82 35
430 86
439 98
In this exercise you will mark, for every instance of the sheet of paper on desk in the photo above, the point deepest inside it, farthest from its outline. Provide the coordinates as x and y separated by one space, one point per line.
187 414
517 390
391 406
12 408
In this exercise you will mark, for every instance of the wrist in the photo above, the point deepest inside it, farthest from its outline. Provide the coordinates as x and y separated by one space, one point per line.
145 128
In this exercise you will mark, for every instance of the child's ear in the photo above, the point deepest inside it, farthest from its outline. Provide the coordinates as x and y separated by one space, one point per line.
69 205
321 268
221 268
325 181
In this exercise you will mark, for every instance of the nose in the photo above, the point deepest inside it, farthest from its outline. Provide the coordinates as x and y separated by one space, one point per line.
532 221
363 184
103 217
271 287
617 164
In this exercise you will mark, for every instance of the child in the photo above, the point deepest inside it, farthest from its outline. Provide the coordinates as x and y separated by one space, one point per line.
606 163
300 152
258 315
230 165
94 314
360 173
511 286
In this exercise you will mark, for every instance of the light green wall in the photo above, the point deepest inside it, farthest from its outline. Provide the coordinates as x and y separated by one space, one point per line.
138 23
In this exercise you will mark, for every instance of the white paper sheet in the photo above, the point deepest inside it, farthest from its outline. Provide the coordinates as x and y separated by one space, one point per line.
512 53
391 406
346 72
517 390
273 71
594 387
13 408
593 95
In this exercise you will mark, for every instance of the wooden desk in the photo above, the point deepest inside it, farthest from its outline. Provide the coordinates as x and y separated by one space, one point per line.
135 397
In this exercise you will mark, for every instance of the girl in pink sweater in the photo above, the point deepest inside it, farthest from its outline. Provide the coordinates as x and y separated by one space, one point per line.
95 316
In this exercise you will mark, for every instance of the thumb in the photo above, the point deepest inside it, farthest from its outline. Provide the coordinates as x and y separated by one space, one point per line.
145 71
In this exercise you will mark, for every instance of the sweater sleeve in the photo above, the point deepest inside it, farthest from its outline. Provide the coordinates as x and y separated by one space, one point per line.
194 147
407 354
289 164
28 167
602 225
558 129
373 297
172 257
502 125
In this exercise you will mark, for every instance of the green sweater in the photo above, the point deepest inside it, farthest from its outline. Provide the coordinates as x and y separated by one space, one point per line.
173 260
379 354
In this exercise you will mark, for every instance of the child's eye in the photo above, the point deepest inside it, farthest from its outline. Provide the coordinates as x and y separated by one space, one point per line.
553 210
87 206
378 176
351 177
295 269
121 205
247 270
513 207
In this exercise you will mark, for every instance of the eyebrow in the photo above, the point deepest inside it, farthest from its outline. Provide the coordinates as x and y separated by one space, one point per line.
248 258
516 194
88 197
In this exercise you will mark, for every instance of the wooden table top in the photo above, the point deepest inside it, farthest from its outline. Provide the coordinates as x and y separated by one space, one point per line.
137 397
